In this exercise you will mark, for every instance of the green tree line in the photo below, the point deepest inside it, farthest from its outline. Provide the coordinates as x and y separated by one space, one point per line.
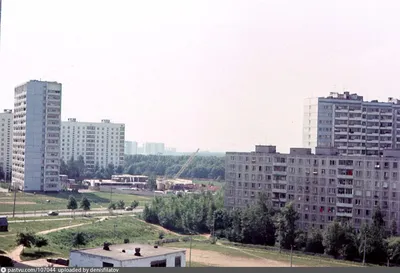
202 167
259 224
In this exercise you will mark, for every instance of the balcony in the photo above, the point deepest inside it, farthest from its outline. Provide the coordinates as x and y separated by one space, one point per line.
345 195
279 190
344 205
344 214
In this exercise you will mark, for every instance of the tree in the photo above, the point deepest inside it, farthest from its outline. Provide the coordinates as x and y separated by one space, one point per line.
40 242
135 204
152 182
79 239
2 174
25 239
72 204
394 250
121 204
377 233
314 242
85 204
288 235
393 228
333 239
349 250
112 206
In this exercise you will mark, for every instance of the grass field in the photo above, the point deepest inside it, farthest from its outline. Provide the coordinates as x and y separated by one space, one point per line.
57 201
113 230
298 260
7 239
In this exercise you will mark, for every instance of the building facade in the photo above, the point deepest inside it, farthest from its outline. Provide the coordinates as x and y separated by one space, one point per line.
36 136
6 128
152 148
128 255
99 143
354 126
131 148
323 187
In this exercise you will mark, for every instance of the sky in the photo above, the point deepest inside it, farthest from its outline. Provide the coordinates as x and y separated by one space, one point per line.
219 75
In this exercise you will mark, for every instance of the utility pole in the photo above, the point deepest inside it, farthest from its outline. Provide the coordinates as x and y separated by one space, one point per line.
15 198
190 251
111 195
291 256
365 246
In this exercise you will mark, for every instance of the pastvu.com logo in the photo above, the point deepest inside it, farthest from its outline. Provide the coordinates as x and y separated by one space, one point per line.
3 270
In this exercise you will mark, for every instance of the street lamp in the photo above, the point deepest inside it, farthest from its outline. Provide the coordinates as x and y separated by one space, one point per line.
190 251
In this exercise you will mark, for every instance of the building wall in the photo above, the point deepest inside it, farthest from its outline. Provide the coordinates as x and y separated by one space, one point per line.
87 260
36 136
131 147
99 143
153 148
310 123
322 187
354 126
6 128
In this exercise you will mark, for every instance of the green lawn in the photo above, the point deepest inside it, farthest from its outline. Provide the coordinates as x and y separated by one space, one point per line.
7 239
113 230
298 259
58 201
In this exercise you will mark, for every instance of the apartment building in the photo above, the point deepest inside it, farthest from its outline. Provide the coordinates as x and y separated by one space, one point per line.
131 147
323 186
99 143
6 127
36 136
354 126
152 148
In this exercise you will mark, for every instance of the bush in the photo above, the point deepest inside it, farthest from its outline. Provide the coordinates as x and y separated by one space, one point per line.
6 261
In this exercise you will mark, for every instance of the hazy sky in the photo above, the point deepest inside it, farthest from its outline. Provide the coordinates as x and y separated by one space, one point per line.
216 75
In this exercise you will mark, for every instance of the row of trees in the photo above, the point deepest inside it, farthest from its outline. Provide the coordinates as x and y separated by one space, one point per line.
4 175
186 214
201 167
259 224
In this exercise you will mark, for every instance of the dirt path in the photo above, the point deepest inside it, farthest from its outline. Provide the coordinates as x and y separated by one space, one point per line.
18 203
61 228
16 253
217 259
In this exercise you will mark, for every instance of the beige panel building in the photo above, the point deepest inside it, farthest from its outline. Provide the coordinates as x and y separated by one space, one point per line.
353 125
6 128
99 143
323 186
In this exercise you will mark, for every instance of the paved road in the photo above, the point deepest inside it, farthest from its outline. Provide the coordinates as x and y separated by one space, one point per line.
77 213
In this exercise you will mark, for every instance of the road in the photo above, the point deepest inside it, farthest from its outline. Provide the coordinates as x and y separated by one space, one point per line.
68 213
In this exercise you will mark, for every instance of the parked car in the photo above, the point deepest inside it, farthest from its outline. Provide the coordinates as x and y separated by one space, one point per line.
52 213
128 208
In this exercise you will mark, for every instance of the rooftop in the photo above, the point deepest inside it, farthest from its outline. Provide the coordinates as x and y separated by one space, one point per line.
116 253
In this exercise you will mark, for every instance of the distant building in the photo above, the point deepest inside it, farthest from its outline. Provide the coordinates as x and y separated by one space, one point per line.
131 147
170 151
354 126
99 143
36 136
128 255
152 148
6 127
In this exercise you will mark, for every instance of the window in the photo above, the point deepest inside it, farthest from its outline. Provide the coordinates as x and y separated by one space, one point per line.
161 263
108 264
178 261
